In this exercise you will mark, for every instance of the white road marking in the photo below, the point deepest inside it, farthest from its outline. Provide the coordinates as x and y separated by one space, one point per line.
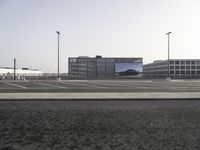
87 85
16 85
50 85
107 83
119 85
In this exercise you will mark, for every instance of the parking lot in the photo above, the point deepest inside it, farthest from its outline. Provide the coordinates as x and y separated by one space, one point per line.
98 86
41 115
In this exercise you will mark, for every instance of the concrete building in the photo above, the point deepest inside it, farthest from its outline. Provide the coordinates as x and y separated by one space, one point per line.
178 69
104 68
8 73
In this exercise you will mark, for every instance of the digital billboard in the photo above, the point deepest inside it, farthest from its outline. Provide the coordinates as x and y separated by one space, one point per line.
128 69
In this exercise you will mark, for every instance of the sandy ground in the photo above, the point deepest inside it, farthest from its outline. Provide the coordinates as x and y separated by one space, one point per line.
95 125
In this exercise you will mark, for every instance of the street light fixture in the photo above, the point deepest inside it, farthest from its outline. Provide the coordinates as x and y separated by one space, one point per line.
168 34
58 76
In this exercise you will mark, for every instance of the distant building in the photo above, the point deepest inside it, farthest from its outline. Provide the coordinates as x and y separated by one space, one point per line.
8 73
179 69
104 68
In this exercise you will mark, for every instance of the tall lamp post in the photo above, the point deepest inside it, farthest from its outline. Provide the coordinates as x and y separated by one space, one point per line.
58 76
168 34
14 69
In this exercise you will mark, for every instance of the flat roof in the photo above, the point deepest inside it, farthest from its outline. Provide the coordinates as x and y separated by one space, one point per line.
107 57
158 61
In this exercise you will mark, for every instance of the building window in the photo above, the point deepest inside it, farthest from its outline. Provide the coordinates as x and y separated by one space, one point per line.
198 67
171 72
193 62
182 67
171 62
187 67
193 72
187 62
187 72
182 72
182 62
177 67
177 62
171 67
177 72
193 67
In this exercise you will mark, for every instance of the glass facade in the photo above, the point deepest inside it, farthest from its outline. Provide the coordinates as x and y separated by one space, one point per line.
98 67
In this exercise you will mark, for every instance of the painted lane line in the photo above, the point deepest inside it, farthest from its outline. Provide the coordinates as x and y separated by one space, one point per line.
16 85
88 85
50 85
108 84
120 85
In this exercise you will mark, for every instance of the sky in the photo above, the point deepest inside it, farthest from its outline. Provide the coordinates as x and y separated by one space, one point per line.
111 28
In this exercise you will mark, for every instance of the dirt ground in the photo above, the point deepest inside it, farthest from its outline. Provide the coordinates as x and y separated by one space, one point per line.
96 125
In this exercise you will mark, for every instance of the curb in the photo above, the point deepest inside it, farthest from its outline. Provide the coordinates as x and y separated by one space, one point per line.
99 96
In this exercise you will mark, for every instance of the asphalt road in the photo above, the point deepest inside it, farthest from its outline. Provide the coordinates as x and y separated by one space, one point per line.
99 86
100 125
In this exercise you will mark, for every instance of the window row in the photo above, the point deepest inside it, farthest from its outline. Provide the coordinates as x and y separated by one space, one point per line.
184 72
185 62
184 67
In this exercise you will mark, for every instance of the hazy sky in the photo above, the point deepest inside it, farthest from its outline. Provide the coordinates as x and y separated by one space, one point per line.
118 28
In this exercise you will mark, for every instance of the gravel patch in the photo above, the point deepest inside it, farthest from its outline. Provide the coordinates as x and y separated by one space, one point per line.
112 125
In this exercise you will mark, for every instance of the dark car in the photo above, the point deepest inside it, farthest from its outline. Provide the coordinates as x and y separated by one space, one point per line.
129 72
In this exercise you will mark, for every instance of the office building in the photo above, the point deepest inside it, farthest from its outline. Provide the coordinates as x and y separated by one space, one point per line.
178 69
104 68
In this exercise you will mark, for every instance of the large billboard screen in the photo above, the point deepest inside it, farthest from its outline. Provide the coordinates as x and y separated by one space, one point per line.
128 69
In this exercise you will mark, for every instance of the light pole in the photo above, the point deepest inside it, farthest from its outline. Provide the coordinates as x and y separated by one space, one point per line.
14 69
168 34
58 76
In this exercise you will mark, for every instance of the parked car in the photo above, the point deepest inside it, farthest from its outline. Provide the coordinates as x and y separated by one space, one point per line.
129 72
